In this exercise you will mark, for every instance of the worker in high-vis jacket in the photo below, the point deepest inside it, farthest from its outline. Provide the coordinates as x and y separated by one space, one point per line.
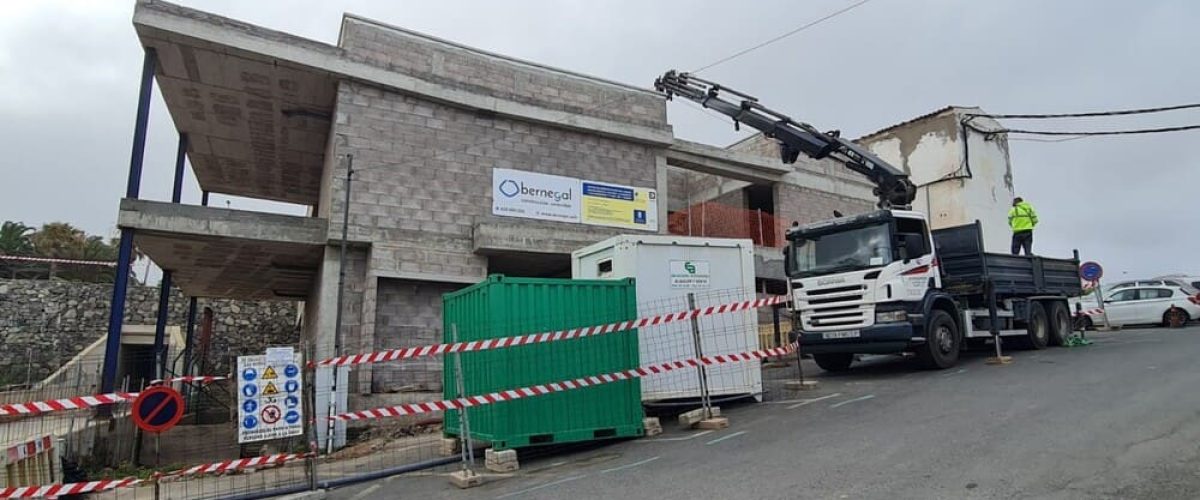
1022 219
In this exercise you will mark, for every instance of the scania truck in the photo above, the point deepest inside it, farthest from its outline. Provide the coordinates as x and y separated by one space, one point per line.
884 282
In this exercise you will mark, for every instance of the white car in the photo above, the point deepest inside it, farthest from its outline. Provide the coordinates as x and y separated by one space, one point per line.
1189 285
1143 305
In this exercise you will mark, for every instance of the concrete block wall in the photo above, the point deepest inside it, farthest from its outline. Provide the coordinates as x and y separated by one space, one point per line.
493 75
767 147
425 174
409 313
796 203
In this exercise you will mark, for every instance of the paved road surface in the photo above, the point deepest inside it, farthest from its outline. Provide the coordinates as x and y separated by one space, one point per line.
1117 419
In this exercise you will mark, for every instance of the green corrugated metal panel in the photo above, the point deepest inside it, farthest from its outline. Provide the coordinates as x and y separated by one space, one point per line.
502 306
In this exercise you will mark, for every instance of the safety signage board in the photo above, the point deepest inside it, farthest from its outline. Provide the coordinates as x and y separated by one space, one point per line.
269 392
619 206
690 274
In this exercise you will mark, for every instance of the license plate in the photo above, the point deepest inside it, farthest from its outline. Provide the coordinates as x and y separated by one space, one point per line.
849 334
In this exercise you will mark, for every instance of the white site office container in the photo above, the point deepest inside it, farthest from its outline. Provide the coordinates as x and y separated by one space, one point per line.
666 269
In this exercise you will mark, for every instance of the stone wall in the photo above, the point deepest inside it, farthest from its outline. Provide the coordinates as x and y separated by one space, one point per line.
44 324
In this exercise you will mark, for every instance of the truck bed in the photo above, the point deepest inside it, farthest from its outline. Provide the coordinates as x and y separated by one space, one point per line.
967 268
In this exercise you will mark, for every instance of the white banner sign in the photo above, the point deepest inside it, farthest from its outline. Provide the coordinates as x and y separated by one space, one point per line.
566 199
689 274
535 196
269 392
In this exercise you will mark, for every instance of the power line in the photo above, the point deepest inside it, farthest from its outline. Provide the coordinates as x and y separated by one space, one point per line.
1087 134
781 37
1095 113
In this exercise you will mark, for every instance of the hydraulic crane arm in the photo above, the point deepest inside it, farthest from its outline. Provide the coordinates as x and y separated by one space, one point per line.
892 185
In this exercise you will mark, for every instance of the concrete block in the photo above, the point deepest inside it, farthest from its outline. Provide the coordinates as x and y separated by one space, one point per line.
450 447
465 479
713 423
797 385
501 461
691 418
652 426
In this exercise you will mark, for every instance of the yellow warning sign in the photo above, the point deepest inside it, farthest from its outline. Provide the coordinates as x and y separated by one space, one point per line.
270 389
269 373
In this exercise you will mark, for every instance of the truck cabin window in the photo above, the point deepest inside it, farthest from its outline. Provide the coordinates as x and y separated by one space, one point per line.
852 249
911 238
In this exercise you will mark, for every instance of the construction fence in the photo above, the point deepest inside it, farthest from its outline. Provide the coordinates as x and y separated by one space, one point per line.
514 365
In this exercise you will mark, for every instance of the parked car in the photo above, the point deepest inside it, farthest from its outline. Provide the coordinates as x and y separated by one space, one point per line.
1143 305
1192 281
1190 285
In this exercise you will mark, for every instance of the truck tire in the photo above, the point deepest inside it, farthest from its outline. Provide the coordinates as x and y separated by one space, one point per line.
942 342
834 361
1060 323
1037 328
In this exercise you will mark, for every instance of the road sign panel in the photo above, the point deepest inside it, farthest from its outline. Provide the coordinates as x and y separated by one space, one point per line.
1091 271
269 395
157 409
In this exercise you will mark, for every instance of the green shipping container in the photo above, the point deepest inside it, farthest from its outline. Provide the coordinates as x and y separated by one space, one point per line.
502 306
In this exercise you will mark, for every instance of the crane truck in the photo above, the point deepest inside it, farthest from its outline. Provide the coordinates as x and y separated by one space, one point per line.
885 281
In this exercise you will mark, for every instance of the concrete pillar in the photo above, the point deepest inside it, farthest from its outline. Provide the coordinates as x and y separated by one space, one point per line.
663 191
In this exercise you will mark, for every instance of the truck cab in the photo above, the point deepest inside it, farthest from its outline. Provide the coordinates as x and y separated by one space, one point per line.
864 284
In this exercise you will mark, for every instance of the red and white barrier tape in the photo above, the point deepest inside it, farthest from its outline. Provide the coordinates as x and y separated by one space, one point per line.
566 385
190 379
106 263
56 490
243 463
65 404
534 338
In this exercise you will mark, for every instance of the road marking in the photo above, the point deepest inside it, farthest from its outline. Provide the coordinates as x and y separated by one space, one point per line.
813 400
722 438
367 492
538 487
855 400
629 466
684 438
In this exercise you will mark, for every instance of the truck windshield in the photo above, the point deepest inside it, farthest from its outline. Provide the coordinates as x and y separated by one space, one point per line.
857 248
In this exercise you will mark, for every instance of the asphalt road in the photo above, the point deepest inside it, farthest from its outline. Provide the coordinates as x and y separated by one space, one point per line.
1117 419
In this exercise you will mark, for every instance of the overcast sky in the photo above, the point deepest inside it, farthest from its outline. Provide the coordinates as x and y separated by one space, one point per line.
69 74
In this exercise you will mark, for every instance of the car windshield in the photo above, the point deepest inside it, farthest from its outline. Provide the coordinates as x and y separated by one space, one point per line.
857 248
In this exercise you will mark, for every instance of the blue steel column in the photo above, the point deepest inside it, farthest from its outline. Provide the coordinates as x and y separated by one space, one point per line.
116 315
164 286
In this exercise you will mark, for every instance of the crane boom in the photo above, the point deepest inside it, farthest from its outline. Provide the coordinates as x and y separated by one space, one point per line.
892 185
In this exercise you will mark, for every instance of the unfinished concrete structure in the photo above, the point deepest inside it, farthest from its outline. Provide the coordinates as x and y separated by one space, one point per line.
428 122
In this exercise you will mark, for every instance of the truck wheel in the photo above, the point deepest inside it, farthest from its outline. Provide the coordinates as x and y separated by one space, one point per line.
1038 327
942 342
834 361
1060 323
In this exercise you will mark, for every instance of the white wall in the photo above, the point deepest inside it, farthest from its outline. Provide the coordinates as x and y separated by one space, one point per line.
931 150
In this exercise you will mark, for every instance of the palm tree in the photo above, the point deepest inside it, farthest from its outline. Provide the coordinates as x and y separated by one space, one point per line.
14 238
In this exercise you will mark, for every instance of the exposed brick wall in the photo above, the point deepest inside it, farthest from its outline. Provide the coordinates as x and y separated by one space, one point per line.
409 314
425 174
795 203
495 76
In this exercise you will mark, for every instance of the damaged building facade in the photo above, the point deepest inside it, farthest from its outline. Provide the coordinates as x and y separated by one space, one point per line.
440 137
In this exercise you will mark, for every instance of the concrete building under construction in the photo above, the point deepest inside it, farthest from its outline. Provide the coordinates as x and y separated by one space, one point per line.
451 146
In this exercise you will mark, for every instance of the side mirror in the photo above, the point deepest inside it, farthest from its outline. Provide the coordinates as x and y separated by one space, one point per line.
787 261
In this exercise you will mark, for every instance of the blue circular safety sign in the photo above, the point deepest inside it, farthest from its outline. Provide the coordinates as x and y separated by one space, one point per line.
290 371
291 386
249 374
250 422
292 417
291 401
1091 271
249 390
250 406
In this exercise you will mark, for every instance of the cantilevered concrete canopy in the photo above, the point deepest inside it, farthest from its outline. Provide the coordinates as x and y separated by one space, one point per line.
257 125
216 252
